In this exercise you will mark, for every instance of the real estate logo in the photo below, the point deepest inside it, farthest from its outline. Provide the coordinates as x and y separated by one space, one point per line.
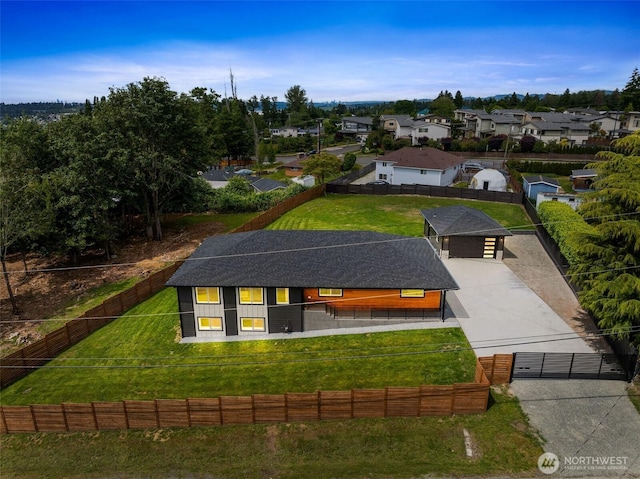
548 463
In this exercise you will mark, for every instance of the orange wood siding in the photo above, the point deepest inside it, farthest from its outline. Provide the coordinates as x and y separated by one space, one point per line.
375 298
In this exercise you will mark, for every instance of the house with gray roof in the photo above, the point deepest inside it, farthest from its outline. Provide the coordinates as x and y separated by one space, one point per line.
418 166
271 281
583 179
464 232
218 178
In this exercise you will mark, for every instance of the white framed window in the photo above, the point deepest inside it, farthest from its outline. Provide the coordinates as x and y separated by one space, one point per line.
209 324
208 295
382 177
251 296
282 295
412 293
423 172
329 292
252 324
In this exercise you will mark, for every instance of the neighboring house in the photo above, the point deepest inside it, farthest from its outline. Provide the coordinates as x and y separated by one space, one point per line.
480 124
463 232
532 185
583 179
357 127
399 125
567 198
418 166
630 122
488 179
274 281
294 168
218 178
285 131
573 132
422 131
433 118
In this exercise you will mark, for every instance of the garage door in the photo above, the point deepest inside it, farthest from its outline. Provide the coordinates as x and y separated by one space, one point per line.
466 247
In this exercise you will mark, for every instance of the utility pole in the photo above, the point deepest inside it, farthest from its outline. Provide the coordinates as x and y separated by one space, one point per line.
319 120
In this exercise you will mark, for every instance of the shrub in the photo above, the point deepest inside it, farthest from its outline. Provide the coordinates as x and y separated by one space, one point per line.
567 228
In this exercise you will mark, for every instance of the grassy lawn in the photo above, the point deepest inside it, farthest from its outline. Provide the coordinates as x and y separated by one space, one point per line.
371 448
138 357
387 214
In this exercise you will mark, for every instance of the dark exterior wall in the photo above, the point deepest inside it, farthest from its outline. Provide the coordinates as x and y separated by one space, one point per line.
185 306
466 246
230 314
285 318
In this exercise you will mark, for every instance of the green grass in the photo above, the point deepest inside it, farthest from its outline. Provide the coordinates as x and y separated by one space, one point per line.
230 221
120 361
356 449
387 214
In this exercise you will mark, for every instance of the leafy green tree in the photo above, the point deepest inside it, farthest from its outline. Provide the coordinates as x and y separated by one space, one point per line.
458 100
631 91
609 273
158 136
323 166
443 106
296 98
404 107
349 161
24 212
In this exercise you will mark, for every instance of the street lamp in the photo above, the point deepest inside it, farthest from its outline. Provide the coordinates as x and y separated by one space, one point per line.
319 120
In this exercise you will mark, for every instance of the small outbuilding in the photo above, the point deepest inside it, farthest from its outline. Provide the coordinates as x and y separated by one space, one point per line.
463 232
583 179
488 179
533 185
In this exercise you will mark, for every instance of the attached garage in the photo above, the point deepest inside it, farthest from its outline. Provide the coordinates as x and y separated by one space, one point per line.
463 232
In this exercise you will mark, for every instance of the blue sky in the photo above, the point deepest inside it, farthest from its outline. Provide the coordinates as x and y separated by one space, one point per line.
350 50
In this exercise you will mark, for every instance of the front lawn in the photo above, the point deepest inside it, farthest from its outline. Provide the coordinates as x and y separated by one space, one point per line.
138 357
387 213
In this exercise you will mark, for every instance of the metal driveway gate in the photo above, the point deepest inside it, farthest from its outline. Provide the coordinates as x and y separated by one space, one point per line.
567 366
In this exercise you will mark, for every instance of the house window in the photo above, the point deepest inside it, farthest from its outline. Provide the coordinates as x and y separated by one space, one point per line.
209 324
329 292
208 295
412 293
252 324
282 295
384 163
382 177
251 296
423 172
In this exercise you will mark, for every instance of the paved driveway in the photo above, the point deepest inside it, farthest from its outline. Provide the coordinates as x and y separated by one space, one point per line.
499 313
588 424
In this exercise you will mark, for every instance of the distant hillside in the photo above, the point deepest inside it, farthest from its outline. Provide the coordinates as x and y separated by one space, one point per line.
39 110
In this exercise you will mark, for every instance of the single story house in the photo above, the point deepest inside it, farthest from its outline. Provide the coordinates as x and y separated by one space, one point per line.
418 166
532 185
218 178
295 167
463 232
583 179
274 281
567 198
488 179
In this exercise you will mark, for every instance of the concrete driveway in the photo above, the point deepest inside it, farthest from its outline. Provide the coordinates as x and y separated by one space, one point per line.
499 313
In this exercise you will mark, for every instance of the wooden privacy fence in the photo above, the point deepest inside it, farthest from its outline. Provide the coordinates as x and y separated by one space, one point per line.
22 362
470 398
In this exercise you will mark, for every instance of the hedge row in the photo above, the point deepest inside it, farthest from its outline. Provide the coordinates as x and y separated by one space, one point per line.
566 227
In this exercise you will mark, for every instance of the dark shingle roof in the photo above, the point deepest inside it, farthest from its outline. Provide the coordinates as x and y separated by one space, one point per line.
424 158
588 172
462 221
311 259
541 179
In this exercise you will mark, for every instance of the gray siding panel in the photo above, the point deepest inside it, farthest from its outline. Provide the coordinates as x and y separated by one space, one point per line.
185 306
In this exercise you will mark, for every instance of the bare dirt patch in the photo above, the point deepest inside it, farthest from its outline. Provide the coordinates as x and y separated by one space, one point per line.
54 282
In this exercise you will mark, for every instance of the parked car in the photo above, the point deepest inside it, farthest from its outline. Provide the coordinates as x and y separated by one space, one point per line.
378 182
244 171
